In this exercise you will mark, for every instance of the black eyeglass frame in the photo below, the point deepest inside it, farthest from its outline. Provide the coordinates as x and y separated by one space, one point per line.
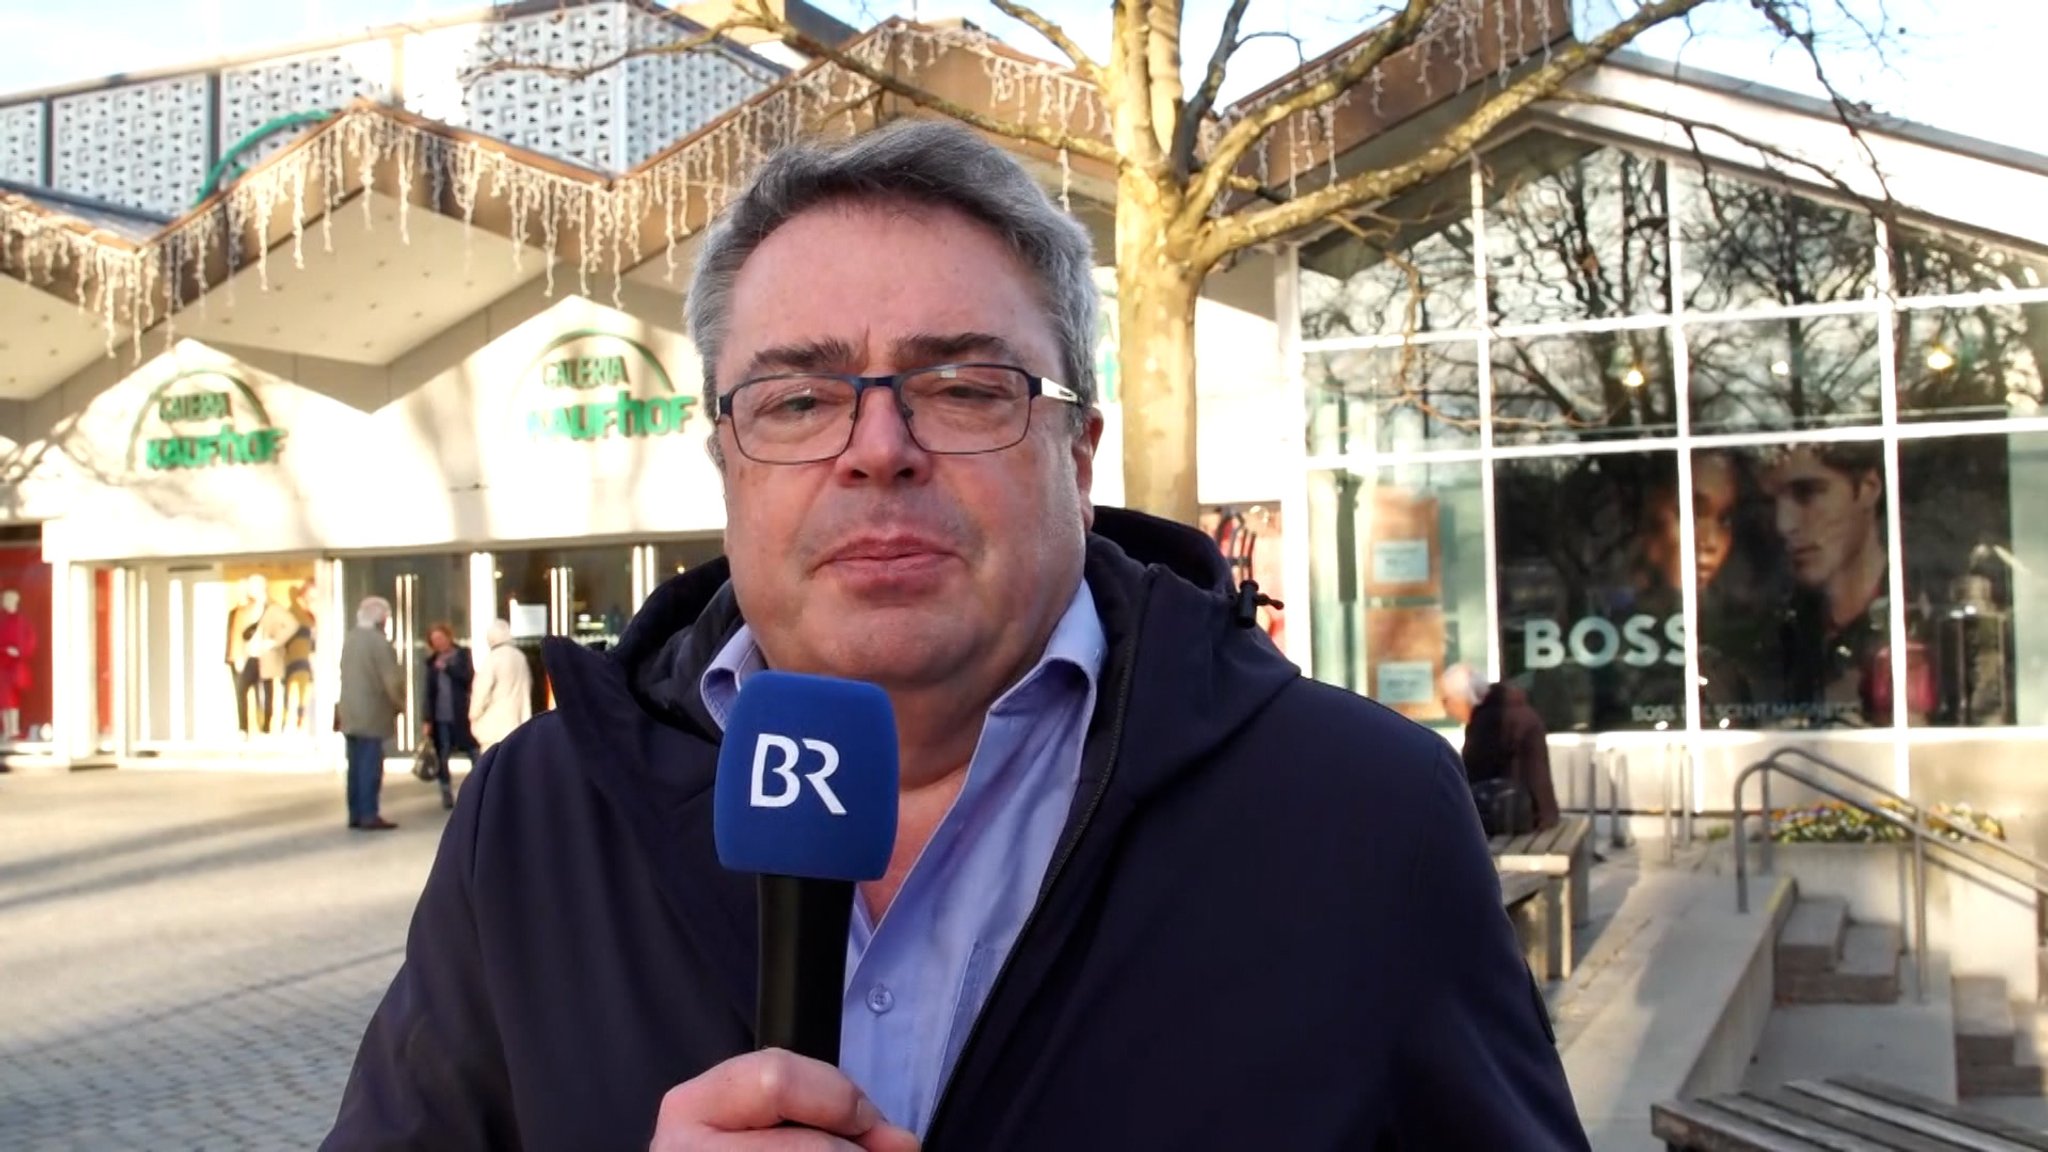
1035 386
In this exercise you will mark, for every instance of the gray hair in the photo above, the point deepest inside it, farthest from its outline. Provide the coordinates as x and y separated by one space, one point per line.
373 612
923 162
1464 682
499 632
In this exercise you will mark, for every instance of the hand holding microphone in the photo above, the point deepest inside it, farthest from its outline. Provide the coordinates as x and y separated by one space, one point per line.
748 1103
806 800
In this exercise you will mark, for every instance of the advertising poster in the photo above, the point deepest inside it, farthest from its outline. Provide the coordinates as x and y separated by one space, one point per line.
1792 573
1591 626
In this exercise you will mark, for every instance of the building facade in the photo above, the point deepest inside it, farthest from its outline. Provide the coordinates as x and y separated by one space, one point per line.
424 357
1715 438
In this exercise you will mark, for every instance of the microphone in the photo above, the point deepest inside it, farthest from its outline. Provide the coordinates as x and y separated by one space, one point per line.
806 799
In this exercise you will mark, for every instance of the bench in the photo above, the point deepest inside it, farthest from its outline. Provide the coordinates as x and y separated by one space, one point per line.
1564 853
1531 899
1841 1112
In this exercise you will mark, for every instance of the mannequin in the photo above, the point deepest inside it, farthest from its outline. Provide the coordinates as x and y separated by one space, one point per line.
259 629
17 647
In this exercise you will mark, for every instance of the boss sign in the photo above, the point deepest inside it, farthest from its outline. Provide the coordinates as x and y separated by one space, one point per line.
807 779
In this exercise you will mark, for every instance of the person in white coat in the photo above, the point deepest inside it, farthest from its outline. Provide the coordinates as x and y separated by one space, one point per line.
501 698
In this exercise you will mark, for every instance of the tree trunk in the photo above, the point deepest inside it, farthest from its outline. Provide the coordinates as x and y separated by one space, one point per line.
1156 289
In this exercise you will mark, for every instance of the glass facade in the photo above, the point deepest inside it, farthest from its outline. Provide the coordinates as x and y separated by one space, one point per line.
1676 450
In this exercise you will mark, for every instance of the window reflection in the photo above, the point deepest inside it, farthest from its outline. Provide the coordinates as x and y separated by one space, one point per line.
1407 267
1791 373
1414 397
1977 363
1928 263
1575 231
1749 246
1592 386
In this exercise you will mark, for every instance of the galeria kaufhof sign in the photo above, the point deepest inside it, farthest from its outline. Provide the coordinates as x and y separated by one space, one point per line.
594 385
203 418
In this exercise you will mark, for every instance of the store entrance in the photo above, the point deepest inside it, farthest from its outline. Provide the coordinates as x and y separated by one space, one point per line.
585 594
424 590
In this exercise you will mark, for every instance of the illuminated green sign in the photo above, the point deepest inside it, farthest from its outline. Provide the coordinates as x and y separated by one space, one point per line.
203 418
588 390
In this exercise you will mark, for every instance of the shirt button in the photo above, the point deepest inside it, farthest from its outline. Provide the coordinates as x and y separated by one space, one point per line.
880 999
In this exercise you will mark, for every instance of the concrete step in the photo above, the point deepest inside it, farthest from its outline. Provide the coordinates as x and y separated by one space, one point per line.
1999 1044
1811 940
1867 973
2009 1080
1985 1027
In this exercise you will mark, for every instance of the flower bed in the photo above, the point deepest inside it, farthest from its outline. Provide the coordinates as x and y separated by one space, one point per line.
1837 823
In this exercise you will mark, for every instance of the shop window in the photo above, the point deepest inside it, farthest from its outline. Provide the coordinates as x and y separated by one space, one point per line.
228 651
1974 363
1592 624
1407 267
1974 516
1794 372
1794 579
1749 246
1397 581
1588 386
1408 399
25 711
1574 231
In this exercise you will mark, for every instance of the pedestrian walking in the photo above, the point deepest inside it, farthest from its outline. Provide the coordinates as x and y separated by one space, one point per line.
502 697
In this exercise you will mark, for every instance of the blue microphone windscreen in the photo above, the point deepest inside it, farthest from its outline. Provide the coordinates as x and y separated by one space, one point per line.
807 779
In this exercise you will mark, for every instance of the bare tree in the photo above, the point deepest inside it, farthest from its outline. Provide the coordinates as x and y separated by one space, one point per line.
1196 184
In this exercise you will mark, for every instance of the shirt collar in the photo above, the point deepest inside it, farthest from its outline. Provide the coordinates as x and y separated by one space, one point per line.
1077 642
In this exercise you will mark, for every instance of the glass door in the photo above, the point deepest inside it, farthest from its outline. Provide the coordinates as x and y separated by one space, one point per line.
425 590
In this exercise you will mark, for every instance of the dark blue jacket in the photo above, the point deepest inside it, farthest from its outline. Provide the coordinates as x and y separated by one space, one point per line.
1271 924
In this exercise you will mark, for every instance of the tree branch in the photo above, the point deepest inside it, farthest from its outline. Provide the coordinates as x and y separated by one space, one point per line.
1130 88
1189 130
1845 111
1083 63
1240 137
1242 229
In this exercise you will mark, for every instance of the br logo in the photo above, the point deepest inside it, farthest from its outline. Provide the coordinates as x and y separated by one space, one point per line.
788 785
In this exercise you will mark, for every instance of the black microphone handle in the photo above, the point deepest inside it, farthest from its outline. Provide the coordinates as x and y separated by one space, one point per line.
803 964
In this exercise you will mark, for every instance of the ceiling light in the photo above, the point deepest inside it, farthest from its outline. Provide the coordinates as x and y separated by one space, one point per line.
1633 378
1940 359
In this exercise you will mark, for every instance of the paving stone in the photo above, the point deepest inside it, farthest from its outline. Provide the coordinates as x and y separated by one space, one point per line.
192 957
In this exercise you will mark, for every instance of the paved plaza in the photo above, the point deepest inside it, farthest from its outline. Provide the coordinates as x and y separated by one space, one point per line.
187 959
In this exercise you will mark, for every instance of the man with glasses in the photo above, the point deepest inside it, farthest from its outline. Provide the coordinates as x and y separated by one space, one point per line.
1151 889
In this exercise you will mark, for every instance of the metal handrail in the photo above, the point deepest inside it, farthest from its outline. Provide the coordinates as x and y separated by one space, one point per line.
1918 828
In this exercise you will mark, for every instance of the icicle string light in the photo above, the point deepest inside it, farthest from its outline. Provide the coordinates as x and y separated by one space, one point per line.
607 223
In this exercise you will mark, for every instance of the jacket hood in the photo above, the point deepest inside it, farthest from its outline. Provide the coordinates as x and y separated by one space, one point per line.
1184 666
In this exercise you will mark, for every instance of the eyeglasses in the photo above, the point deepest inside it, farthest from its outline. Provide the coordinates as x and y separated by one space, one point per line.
950 409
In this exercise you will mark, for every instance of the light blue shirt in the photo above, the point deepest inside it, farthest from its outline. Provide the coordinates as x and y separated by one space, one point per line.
917 981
